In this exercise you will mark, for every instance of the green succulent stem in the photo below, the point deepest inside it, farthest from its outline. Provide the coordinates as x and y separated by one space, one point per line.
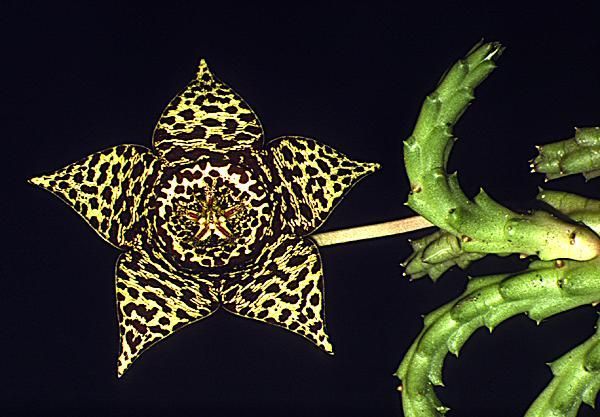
544 289
483 225
434 254
578 208
578 155
576 380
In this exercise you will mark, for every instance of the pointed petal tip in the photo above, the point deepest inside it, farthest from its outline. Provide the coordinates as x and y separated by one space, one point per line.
122 366
37 181
371 167
327 347
204 73
122 369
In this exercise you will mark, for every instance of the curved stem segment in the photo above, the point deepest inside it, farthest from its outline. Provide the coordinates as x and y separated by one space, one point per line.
576 207
483 225
544 289
578 155
576 380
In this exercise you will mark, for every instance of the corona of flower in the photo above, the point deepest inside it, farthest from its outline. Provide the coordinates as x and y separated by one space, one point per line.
210 217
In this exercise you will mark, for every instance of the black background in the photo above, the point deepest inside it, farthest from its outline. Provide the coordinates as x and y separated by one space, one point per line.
82 78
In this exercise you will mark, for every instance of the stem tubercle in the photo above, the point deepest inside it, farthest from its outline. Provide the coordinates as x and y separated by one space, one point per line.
394 227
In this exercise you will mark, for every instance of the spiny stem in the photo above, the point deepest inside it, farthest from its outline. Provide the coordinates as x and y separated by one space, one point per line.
545 289
576 380
434 254
578 155
483 225
394 227
576 207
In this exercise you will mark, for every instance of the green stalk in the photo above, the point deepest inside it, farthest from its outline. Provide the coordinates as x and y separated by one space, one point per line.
483 225
544 289
576 380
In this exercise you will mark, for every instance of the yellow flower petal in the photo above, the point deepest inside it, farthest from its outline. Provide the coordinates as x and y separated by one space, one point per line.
154 299
109 189
314 178
206 116
283 287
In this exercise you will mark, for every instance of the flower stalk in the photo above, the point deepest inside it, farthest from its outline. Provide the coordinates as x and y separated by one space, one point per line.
371 231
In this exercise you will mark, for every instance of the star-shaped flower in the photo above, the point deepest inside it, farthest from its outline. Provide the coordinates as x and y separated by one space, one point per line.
212 217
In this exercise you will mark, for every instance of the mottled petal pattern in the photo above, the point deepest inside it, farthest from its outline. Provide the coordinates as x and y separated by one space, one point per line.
283 287
154 299
313 179
109 189
206 116
212 217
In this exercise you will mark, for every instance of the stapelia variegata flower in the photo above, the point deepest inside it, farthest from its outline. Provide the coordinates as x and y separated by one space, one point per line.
211 217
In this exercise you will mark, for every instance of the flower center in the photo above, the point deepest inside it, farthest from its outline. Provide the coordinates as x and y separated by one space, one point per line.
212 214
211 220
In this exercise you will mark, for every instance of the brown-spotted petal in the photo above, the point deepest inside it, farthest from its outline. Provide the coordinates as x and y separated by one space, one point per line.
207 116
284 287
154 300
313 178
109 189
